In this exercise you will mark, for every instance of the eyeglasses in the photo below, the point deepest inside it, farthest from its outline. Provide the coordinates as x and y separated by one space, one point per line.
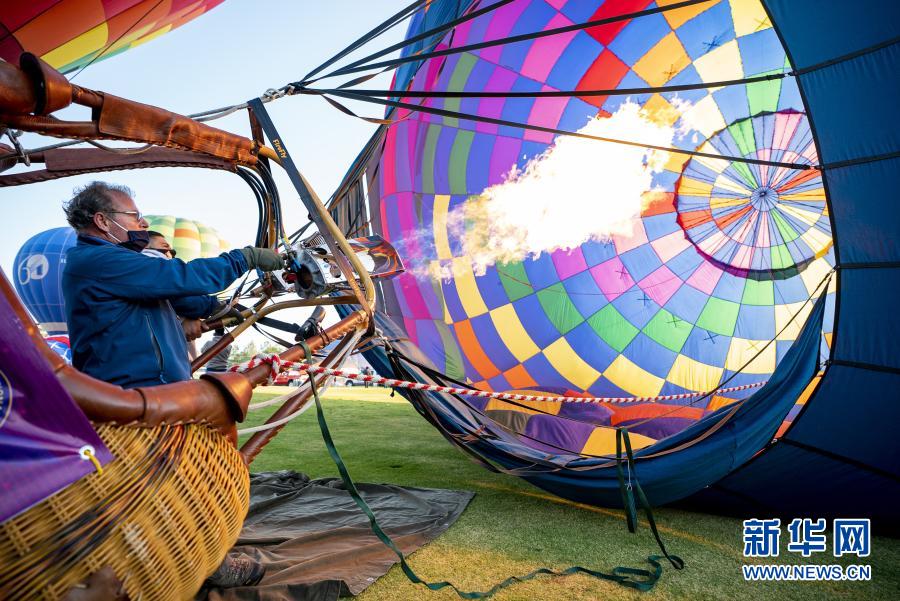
166 251
137 214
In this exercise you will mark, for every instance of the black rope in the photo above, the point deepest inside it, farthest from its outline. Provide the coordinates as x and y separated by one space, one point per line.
370 35
115 41
560 93
551 130
416 38
512 39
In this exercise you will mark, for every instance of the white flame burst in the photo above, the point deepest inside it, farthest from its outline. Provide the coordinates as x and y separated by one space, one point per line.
577 190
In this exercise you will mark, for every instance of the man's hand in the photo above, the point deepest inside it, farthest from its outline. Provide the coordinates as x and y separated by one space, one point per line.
193 328
262 258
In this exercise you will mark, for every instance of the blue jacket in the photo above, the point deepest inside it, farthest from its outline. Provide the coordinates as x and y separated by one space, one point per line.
121 309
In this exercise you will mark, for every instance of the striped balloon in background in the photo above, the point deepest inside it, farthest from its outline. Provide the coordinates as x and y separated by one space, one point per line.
190 239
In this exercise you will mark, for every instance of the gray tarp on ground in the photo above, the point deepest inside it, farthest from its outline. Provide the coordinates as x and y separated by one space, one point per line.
316 543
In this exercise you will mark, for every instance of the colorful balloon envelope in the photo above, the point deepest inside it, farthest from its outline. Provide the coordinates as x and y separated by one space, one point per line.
714 261
70 34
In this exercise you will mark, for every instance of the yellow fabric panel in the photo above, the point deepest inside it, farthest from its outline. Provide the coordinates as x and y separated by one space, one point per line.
90 41
817 240
680 16
469 295
441 242
783 314
806 216
720 64
694 187
810 388
566 361
720 203
152 36
694 375
749 16
662 62
602 441
513 334
727 183
707 119
814 273
717 402
541 406
632 378
658 110
742 350
128 38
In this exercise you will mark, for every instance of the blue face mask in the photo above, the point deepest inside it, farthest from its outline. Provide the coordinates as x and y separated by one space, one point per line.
137 239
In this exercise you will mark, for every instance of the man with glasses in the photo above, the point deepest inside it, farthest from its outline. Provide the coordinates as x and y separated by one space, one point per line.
122 307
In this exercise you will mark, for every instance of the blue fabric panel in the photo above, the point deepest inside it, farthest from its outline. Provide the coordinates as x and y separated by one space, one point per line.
596 252
541 271
636 307
575 60
867 221
492 344
755 53
868 327
584 294
791 482
816 31
593 349
639 36
852 104
491 289
707 31
863 439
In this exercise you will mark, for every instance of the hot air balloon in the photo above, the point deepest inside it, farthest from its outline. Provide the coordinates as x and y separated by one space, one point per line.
39 264
714 259
190 239
72 33
702 274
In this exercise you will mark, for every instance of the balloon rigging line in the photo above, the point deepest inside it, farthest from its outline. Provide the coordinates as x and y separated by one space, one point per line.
557 93
389 23
115 41
510 39
552 130
410 41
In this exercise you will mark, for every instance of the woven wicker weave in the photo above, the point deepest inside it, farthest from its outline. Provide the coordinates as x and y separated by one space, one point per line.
163 515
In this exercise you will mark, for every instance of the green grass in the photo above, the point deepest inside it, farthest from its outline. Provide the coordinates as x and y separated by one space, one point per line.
512 527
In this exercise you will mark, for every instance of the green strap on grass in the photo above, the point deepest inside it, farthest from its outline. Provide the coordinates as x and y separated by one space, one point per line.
628 496
636 578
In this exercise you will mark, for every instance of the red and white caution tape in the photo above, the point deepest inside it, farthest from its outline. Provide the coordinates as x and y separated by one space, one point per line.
277 364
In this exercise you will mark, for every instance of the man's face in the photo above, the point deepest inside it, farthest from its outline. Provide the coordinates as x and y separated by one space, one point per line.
162 245
125 216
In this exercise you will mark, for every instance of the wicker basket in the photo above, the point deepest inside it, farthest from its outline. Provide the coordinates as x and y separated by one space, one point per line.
163 515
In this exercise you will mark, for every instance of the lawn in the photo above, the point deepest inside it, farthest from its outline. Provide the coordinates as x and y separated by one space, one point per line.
511 527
